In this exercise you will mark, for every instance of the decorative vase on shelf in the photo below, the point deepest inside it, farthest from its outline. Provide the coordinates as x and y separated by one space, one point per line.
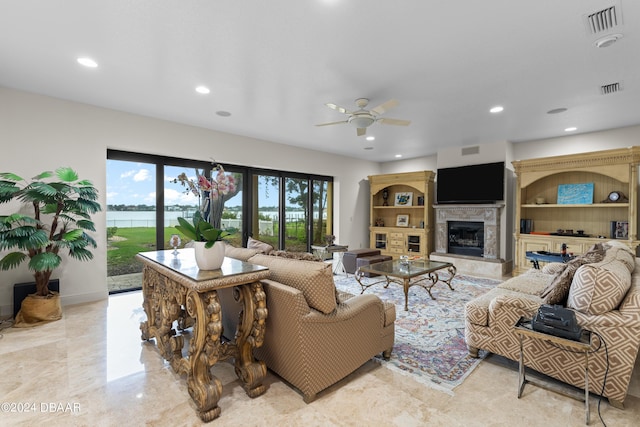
209 258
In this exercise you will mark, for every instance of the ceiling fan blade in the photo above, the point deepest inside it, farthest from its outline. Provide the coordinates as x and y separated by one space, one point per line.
396 122
382 108
332 123
362 131
337 108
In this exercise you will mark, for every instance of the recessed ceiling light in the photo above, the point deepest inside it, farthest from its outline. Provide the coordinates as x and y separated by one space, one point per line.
557 110
223 113
203 90
571 129
496 109
398 156
87 62
368 148
371 138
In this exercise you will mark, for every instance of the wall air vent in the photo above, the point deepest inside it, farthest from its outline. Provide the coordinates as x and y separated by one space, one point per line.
466 151
611 88
604 20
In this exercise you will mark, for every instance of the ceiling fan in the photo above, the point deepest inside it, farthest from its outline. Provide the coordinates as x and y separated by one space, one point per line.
362 118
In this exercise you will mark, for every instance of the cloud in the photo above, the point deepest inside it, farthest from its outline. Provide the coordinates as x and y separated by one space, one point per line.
127 174
142 175
175 197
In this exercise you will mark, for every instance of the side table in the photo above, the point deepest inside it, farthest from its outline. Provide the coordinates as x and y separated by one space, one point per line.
323 251
523 329
176 293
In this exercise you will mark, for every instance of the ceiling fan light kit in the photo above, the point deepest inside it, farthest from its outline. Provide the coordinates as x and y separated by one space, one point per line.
361 119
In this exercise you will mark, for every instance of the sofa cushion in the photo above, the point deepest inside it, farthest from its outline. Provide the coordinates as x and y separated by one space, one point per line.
532 282
314 279
600 287
243 254
621 252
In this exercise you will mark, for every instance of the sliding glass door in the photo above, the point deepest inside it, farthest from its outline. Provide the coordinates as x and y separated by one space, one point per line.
265 208
131 220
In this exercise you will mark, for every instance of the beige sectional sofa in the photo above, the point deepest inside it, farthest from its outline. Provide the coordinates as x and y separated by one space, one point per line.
315 335
605 297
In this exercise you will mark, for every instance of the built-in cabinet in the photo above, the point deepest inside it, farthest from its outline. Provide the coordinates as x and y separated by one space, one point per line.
401 215
544 222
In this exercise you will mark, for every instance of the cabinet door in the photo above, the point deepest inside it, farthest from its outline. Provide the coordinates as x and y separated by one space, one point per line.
380 240
414 243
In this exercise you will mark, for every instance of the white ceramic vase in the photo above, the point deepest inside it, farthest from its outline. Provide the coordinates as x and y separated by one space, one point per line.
211 258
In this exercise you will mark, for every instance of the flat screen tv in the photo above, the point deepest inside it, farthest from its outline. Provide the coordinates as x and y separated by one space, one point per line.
482 183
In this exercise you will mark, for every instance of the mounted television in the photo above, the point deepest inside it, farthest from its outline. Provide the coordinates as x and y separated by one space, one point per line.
482 183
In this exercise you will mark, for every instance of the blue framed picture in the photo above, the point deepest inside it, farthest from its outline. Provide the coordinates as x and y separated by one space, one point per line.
575 194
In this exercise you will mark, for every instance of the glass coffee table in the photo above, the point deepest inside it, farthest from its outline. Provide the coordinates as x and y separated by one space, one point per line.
423 273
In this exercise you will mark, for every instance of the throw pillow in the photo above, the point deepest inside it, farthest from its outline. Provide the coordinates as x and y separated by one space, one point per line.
557 291
553 268
306 256
263 247
600 287
243 254
314 279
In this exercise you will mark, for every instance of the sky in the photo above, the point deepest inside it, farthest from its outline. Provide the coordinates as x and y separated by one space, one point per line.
133 183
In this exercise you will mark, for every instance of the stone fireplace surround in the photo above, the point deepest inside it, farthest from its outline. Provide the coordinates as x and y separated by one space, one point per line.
489 214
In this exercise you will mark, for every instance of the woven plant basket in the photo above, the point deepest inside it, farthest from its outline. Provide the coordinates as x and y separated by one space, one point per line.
36 310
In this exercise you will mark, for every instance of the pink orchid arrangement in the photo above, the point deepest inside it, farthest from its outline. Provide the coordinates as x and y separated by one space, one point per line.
218 186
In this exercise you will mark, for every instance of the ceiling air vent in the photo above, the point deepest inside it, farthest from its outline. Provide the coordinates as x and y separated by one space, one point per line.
604 20
610 88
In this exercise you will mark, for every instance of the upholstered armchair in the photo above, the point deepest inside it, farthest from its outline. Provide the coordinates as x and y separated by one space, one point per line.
315 336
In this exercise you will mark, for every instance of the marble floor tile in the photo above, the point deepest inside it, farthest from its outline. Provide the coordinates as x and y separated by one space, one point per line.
92 369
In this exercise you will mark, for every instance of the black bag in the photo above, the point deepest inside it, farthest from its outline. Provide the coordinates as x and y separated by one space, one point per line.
557 320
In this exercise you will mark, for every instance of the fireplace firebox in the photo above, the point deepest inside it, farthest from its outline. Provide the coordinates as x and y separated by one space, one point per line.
465 238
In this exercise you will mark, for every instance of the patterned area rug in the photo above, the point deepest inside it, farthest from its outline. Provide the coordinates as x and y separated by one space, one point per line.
429 342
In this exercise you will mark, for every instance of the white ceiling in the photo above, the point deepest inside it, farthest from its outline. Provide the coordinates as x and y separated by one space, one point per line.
274 64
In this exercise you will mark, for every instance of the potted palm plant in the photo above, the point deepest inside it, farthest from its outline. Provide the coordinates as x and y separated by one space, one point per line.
53 219
209 254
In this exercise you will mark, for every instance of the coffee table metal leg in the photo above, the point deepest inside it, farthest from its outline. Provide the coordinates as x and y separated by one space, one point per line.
359 274
452 273
406 294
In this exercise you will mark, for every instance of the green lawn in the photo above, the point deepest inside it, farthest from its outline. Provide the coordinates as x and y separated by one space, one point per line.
130 241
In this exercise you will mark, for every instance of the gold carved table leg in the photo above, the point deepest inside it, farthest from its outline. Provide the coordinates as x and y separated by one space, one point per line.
163 303
250 334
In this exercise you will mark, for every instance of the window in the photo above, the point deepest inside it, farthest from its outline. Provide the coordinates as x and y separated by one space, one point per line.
288 210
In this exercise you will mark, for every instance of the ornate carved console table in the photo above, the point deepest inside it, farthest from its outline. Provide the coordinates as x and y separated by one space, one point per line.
175 290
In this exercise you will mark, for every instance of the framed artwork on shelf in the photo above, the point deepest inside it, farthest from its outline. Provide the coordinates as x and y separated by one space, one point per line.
575 194
402 221
622 230
404 199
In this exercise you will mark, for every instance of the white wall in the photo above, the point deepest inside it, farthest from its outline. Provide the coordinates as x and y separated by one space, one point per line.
40 133
580 143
